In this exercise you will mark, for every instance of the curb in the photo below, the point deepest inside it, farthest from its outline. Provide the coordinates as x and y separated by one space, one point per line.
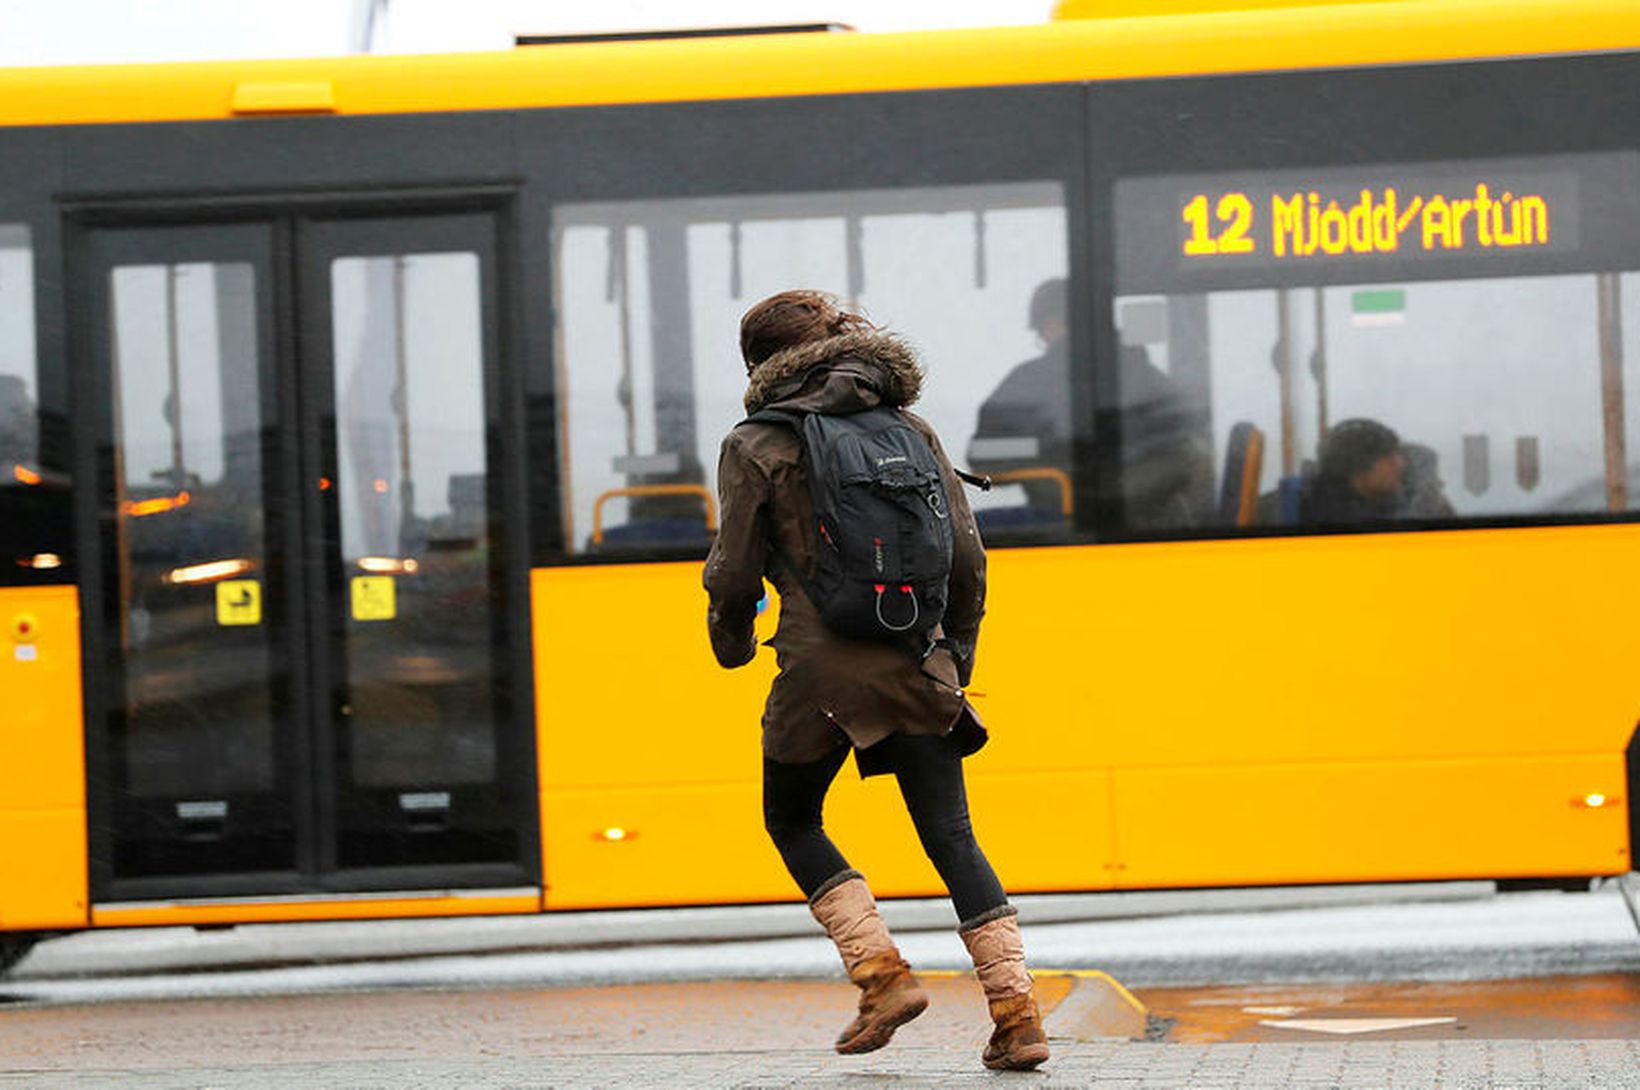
1095 1006
1098 1008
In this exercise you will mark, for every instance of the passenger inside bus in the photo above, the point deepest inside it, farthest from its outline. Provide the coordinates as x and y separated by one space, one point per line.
1024 432
1367 474
1024 426
1360 475
1424 493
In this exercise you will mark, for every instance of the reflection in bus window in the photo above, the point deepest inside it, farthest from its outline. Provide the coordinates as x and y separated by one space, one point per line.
188 414
34 499
411 488
1384 404
649 298
19 420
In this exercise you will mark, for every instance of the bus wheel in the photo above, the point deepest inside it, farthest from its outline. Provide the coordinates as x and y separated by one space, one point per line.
14 946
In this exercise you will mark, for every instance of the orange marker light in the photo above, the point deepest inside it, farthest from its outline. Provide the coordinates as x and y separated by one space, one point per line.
212 571
389 565
141 508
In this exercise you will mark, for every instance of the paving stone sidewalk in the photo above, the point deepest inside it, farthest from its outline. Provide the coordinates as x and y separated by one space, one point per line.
1359 1065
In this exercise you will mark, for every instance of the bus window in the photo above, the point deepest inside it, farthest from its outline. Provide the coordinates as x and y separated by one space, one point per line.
649 298
188 431
1376 347
411 490
19 419
1383 403
36 520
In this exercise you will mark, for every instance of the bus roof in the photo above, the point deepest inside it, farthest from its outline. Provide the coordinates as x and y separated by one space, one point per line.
1127 46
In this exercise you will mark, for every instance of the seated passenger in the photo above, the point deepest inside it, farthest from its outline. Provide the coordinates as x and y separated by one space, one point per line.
1361 476
1423 494
1026 422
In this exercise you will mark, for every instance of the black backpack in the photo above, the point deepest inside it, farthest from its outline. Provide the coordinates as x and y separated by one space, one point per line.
882 524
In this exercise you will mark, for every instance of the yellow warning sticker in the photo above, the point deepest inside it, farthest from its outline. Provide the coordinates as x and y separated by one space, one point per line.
374 598
239 601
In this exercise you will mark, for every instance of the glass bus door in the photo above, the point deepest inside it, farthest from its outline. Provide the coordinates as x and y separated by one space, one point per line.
400 414
298 666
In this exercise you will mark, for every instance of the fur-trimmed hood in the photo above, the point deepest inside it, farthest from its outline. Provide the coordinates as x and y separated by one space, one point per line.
839 374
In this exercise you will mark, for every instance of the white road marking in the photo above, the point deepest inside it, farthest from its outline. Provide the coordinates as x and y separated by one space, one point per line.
1354 1025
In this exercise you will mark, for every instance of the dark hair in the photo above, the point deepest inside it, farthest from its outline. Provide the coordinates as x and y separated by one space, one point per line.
792 318
1048 301
1355 446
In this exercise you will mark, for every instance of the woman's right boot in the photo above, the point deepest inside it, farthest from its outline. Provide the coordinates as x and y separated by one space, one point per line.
890 995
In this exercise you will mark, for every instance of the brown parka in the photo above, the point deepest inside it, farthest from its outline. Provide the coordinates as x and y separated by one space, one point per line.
832 690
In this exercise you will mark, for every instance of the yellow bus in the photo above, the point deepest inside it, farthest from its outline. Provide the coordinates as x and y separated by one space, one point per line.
358 420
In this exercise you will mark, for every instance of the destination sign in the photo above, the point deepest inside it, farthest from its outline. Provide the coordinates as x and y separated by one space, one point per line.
1376 221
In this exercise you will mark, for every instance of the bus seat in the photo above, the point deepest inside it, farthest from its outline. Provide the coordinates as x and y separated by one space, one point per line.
677 531
1028 516
1024 517
1243 466
672 530
1290 496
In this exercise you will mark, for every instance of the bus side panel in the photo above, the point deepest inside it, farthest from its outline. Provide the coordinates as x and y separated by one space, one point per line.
42 777
651 766
1403 821
649 758
1322 709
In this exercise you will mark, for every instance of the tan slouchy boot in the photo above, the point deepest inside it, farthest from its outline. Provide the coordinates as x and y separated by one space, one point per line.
993 941
890 996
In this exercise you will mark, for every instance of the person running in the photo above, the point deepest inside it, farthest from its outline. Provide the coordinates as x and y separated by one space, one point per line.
899 709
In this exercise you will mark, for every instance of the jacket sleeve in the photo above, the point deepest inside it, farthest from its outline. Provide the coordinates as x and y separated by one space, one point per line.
734 568
965 603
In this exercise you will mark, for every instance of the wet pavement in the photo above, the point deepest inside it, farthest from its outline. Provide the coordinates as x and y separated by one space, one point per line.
1480 936
1584 1007
1406 988
1545 1032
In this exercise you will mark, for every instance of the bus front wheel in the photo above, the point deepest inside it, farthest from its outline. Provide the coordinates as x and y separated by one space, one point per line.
14 946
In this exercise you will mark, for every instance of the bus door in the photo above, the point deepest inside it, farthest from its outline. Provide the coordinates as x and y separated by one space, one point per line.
299 675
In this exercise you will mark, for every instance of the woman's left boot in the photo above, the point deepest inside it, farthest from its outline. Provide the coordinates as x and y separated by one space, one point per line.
889 995
993 940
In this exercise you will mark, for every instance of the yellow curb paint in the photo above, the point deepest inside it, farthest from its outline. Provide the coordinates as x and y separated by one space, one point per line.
1127 997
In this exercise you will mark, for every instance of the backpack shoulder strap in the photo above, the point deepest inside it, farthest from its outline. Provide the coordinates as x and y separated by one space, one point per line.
775 416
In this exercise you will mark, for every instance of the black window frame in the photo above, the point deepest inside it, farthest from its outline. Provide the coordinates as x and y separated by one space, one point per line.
780 146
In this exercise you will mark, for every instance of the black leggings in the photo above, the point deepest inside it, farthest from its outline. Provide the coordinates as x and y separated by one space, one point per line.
929 770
